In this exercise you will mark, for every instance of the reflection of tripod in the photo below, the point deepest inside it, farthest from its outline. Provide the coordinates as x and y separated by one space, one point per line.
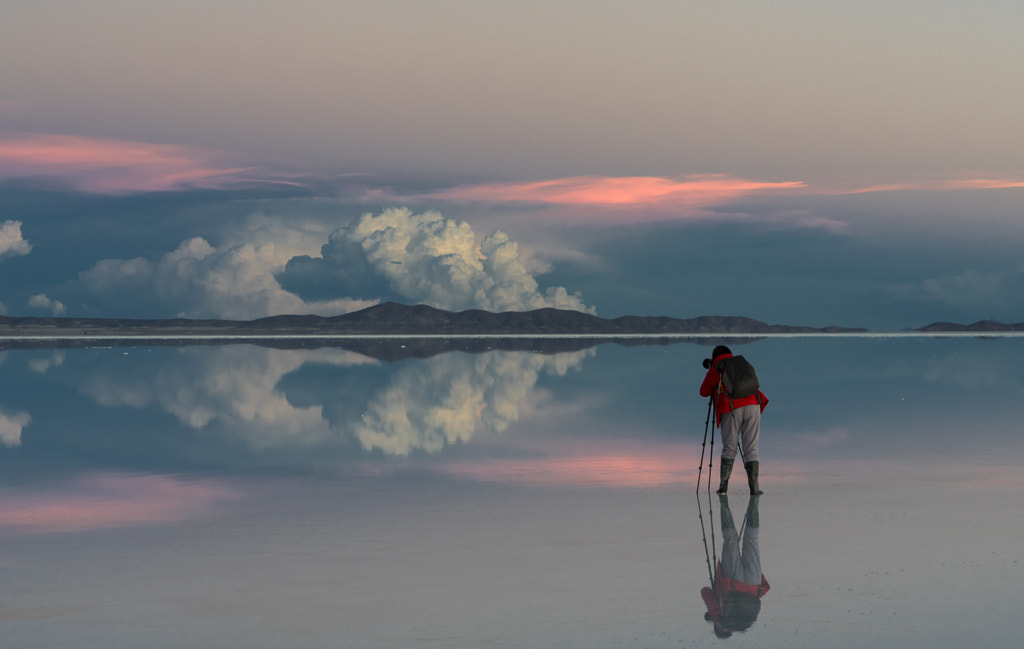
737 583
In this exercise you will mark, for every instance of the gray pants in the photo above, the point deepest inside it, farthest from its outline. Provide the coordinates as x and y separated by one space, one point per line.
744 564
741 428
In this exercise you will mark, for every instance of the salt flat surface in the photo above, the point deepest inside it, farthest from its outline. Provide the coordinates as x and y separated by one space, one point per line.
248 497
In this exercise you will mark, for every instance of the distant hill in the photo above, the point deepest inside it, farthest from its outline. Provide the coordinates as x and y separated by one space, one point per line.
391 318
980 326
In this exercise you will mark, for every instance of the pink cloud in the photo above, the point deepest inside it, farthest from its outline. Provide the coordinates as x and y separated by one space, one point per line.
931 186
109 500
646 198
701 190
111 166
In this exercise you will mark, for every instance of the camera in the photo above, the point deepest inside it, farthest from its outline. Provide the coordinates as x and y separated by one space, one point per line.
707 363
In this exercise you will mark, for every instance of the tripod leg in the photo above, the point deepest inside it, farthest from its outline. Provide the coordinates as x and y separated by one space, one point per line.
700 467
711 457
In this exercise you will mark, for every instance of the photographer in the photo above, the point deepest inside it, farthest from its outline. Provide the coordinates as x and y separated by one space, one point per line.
738 418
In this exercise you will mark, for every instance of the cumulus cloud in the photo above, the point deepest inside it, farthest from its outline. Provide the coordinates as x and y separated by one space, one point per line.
268 269
233 280
11 425
425 258
41 301
11 242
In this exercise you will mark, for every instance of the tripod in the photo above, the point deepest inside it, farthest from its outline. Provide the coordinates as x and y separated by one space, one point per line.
711 457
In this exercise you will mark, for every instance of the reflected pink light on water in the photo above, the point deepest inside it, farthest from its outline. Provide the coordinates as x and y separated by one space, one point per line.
612 464
561 463
616 471
109 500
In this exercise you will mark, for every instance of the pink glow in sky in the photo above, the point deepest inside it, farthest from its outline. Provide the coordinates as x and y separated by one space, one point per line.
109 500
937 185
111 166
604 191
694 191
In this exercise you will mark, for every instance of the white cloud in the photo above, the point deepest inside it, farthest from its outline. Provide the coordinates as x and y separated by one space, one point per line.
430 259
235 280
112 275
11 242
423 258
41 301
11 425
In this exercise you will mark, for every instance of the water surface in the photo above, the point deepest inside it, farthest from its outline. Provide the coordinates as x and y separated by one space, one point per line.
238 495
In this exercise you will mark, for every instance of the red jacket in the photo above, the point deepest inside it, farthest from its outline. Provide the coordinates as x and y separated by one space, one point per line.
714 599
712 386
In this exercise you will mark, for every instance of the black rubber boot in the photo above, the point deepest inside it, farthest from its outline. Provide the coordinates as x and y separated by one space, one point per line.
752 471
725 472
725 513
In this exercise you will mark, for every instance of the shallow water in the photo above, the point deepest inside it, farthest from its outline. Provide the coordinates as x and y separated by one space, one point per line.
247 496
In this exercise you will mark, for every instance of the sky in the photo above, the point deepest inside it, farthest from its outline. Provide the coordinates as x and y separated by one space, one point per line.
814 163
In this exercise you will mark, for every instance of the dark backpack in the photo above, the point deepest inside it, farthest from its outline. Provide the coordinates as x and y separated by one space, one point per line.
738 377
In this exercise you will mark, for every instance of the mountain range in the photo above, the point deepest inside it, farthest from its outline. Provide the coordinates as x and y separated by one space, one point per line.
980 326
391 318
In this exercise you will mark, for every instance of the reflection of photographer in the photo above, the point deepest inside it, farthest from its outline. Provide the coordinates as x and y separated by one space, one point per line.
734 598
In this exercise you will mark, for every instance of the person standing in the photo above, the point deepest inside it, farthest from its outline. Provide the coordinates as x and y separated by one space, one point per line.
739 420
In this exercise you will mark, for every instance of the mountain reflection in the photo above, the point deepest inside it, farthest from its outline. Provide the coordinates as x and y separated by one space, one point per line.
273 398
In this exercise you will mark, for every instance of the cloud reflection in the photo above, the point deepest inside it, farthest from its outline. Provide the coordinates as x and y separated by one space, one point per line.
232 386
275 398
11 425
42 365
443 401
